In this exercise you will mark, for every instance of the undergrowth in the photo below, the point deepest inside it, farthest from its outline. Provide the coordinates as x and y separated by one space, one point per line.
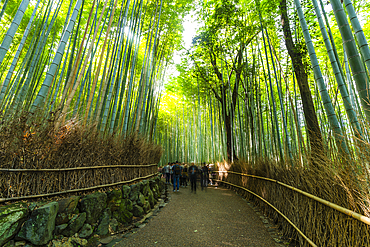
341 181
27 142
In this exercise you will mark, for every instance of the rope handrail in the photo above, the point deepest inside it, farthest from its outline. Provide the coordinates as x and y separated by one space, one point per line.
74 168
277 210
2 200
357 216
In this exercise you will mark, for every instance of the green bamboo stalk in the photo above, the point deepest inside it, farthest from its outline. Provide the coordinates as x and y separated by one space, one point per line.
338 75
31 81
359 33
287 138
81 72
3 9
12 29
338 135
358 71
90 99
125 125
58 57
273 100
113 80
8 77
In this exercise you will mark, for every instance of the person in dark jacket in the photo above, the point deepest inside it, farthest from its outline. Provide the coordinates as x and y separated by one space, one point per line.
192 173
177 172
171 171
185 176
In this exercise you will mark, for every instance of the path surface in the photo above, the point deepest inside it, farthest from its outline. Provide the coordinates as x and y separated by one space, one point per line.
213 217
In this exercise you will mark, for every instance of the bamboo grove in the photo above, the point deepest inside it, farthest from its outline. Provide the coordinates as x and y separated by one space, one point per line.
282 86
98 63
279 89
263 80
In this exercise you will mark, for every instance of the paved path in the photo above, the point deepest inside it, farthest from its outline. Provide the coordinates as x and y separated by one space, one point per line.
213 217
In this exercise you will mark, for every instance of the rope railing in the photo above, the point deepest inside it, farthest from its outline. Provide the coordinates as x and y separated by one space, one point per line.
336 207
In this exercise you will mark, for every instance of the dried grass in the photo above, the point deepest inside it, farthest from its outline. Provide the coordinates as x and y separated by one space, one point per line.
330 180
28 143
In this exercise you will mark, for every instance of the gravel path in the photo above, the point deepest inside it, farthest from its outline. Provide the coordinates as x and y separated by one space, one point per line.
213 217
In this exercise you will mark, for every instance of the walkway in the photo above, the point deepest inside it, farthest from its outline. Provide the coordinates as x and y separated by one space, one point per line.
213 217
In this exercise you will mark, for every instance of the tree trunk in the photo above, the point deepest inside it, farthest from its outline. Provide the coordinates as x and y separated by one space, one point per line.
314 132
229 131
229 134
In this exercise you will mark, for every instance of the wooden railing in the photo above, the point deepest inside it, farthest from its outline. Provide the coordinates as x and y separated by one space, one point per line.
350 213
24 184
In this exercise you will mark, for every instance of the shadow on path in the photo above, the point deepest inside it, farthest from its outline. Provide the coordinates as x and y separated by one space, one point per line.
213 217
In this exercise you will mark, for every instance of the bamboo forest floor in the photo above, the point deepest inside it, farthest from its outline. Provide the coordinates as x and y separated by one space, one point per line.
213 217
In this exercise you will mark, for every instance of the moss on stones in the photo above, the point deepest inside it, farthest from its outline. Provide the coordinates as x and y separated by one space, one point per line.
38 229
93 205
11 219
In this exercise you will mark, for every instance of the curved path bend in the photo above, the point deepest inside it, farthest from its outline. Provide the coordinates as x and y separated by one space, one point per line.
213 217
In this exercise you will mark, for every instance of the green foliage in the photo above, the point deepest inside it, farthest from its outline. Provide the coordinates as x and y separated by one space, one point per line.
209 69
153 31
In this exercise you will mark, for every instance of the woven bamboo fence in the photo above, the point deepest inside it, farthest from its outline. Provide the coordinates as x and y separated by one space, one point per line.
28 183
37 159
332 221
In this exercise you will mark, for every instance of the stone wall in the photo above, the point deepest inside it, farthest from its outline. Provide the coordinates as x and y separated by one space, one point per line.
74 221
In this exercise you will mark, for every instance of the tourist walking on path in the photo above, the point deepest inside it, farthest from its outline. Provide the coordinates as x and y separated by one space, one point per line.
192 172
176 176
205 173
167 172
201 175
182 174
171 172
185 176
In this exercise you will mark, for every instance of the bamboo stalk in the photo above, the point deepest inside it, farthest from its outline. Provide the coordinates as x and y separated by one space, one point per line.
343 210
75 190
286 218
74 168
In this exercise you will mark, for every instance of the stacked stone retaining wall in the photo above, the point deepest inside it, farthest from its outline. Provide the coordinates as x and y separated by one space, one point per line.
77 221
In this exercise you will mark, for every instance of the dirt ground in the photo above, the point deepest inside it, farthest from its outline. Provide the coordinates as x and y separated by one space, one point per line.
213 217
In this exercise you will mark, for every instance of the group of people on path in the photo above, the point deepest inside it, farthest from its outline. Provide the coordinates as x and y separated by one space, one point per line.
179 174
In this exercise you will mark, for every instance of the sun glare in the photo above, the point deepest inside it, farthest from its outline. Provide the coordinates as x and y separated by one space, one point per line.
191 25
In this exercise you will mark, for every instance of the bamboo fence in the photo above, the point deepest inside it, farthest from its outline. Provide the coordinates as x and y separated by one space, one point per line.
303 216
17 184
277 210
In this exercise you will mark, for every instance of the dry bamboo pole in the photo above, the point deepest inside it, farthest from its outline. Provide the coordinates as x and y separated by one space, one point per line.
277 210
74 168
2 200
343 210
